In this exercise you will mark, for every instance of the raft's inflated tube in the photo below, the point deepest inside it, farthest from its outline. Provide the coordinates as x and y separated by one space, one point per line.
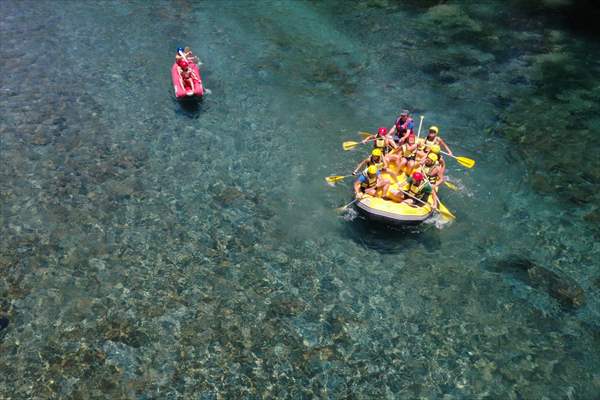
183 93
391 212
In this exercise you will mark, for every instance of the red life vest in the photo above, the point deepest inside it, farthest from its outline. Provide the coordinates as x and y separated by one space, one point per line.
401 127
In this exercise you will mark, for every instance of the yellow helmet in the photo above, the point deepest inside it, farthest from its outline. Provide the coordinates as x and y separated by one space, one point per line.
376 153
432 156
372 170
434 128
435 148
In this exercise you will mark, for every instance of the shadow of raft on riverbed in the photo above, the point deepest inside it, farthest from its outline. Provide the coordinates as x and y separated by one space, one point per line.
392 239
191 108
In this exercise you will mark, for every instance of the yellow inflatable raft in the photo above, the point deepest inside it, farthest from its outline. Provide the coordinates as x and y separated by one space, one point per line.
392 212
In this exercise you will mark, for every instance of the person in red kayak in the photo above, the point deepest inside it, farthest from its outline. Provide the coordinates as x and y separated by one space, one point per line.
190 57
179 56
186 76
186 55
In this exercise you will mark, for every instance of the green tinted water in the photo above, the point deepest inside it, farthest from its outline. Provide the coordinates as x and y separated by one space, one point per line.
152 249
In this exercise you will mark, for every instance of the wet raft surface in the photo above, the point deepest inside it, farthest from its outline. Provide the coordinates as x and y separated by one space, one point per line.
156 250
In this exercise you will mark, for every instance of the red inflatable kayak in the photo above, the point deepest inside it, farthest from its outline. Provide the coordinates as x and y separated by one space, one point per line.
186 92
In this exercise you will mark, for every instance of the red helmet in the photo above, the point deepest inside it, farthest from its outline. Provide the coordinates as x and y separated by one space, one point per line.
184 64
382 131
417 176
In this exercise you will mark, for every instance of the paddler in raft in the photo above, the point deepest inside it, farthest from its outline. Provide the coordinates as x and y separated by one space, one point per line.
419 190
433 169
431 139
414 191
405 155
186 55
435 149
187 52
403 126
186 76
376 158
371 183
380 141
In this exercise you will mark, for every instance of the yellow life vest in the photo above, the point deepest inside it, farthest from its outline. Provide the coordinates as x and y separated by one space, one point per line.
426 144
426 170
417 190
380 143
370 182
406 153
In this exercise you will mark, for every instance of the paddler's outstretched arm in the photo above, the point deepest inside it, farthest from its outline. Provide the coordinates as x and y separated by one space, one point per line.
404 138
370 137
389 140
359 166
445 146
392 130
357 191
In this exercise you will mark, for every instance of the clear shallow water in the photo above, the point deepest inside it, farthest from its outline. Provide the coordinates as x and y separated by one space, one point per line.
154 250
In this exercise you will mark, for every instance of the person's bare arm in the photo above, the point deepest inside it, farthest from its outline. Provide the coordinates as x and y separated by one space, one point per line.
404 138
180 77
443 143
370 137
357 192
359 166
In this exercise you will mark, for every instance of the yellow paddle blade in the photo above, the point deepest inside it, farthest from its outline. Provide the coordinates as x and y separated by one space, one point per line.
350 145
451 186
467 162
445 212
364 134
335 178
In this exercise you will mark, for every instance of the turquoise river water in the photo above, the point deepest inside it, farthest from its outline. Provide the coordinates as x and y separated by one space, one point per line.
158 250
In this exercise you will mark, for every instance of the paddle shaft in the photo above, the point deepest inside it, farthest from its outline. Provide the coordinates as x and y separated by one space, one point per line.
348 205
367 141
449 155
420 126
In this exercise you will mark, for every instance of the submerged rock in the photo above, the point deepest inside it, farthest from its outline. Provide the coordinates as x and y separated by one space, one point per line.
228 195
593 216
3 323
453 20
561 287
